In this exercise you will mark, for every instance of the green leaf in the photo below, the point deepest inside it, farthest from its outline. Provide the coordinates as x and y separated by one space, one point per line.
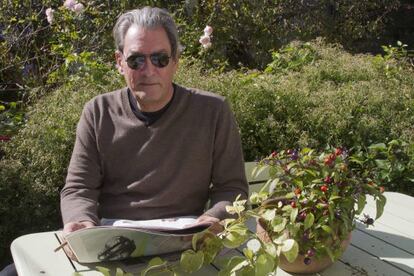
327 229
105 271
270 249
290 249
310 218
380 202
361 203
212 246
191 261
330 254
119 272
279 224
196 237
248 253
382 164
294 214
234 240
154 263
332 198
379 146
259 169
264 265
234 264
269 214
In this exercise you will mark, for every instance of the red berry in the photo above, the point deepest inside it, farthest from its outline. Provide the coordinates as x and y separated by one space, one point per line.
329 160
324 188
307 261
273 154
293 204
338 151
289 151
310 252
328 179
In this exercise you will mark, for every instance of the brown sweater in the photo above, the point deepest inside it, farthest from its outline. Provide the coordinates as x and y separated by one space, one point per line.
121 168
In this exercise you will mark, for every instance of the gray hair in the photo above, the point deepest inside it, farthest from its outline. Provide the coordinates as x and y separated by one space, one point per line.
147 17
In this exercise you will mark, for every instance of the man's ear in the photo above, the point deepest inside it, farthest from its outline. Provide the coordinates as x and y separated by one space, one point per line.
176 62
118 59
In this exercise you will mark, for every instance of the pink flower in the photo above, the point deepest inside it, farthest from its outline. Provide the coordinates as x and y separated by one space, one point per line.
208 30
70 4
78 8
205 39
207 45
49 15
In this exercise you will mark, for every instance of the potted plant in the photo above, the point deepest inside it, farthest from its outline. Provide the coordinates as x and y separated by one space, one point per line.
305 214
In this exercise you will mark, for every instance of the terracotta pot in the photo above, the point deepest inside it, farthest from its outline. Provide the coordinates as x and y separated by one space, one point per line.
298 266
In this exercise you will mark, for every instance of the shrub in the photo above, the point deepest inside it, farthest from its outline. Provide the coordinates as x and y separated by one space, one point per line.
334 98
245 31
34 168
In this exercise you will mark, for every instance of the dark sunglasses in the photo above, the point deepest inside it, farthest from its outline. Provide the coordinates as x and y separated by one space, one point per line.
136 61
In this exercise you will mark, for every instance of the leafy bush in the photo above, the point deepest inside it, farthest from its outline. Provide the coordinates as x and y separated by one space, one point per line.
331 98
245 31
391 164
34 168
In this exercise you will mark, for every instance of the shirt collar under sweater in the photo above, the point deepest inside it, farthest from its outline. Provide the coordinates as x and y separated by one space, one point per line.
148 118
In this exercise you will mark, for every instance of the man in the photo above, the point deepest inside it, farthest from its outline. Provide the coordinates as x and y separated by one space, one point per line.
154 149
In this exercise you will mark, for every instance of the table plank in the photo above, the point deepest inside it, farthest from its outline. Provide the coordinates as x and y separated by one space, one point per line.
393 208
384 251
33 254
398 199
367 264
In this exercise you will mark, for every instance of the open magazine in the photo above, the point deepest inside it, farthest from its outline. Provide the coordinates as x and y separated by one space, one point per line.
121 239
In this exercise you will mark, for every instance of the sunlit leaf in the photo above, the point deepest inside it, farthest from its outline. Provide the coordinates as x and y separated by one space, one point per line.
191 261
310 218
380 202
264 265
290 249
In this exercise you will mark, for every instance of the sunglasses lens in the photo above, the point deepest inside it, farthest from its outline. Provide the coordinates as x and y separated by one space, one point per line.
136 61
160 60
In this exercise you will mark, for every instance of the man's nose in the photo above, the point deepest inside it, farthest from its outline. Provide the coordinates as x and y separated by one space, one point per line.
148 68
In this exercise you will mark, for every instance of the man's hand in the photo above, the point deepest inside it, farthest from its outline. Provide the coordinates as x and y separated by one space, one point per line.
71 227
207 218
215 227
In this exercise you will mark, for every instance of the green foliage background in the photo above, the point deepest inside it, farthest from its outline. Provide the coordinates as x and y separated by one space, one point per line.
284 94
331 97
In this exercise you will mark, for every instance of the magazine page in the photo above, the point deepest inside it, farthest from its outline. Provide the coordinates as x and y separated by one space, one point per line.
126 240
171 225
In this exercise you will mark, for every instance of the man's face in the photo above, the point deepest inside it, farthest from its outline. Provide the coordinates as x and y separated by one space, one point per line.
151 85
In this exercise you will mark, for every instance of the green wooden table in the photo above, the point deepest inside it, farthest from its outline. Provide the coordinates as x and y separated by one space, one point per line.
385 249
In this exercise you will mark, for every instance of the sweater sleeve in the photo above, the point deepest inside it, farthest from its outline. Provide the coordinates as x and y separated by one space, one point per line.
228 175
80 194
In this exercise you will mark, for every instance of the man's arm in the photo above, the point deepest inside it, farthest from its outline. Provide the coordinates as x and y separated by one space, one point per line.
80 195
228 175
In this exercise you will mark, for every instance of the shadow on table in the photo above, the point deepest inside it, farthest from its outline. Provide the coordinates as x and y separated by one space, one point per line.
399 247
399 242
